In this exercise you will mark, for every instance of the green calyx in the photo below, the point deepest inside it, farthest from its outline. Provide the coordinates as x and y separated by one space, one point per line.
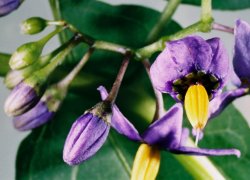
103 111
33 25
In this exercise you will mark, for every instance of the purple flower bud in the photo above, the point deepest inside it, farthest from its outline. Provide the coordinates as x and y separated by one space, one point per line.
87 134
7 6
35 117
22 98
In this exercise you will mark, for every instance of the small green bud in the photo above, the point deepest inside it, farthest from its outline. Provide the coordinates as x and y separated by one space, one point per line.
33 25
25 55
13 78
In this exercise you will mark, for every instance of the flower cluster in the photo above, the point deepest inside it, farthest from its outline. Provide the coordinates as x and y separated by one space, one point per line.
192 70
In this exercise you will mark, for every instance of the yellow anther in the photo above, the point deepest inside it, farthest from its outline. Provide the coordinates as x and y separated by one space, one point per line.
196 105
146 164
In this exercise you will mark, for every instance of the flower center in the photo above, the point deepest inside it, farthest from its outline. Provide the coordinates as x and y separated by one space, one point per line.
209 81
196 106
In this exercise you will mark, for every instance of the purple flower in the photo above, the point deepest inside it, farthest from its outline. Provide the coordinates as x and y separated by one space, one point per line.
87 134
7 6
167 134
189 61
22 98
241 60
35 117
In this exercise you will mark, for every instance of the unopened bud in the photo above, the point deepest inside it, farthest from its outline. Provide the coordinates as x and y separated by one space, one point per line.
22 98
33 25
87 134
25 55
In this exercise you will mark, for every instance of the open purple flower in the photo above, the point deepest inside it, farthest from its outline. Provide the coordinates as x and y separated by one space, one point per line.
7 6
194 71
167 133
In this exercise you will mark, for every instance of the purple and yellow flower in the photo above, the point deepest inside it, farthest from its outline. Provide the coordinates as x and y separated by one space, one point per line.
7 6
194 71
167 134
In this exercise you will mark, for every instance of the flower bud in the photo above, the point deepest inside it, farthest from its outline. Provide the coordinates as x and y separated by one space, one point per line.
43 111
26 55
13 78
7 6
30 52
33 25
87 134
23 97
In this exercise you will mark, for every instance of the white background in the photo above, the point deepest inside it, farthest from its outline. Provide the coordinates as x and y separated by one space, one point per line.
10 39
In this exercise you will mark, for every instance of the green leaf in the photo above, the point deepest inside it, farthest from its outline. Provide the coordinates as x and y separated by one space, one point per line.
230 130
223 5
4 61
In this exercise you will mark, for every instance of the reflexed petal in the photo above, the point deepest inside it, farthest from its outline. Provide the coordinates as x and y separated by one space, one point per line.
205 152
21 99
86 137
119 122
146 164
241 60
35 117
166 132
219 103
178 59
220 60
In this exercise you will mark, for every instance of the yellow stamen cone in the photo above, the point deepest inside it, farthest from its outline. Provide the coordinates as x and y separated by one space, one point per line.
146 164
196 105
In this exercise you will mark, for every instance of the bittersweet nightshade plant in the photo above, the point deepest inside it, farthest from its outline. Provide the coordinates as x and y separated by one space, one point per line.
201 68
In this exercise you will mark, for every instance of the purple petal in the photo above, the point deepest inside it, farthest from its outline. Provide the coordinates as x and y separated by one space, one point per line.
35 117
220 61
86 137
7 6
119 122
21 99
184 136
178 59
241 60
166 132
219 103
205 152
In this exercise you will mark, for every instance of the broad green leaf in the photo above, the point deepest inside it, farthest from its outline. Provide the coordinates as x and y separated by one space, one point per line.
223 5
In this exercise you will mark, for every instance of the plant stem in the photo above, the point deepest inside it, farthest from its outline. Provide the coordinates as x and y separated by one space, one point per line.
159 109
164 19
116 86
111 47
223 28
206 10
68 79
